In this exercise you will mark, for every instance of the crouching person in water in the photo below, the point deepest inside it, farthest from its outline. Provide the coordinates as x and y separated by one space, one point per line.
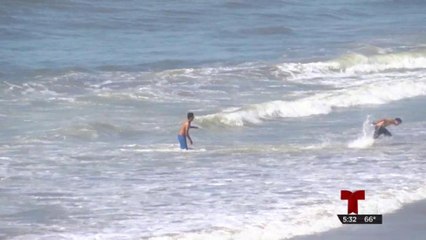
380 126
184 131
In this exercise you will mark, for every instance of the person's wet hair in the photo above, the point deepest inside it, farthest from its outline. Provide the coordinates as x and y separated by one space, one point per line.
398 120
190 115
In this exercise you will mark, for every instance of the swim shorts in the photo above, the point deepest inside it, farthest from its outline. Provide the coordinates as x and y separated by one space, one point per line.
381 130
182 142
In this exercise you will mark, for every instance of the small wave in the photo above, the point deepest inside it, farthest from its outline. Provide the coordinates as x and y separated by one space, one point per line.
253 149
160 148
265 149
358 63
350 65
95 130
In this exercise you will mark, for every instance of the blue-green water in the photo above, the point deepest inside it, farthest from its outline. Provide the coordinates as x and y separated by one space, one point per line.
92 96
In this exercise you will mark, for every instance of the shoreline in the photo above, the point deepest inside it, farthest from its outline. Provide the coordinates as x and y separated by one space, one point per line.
409 222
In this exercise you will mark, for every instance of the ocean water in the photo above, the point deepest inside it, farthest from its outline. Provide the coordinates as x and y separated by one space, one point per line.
92 94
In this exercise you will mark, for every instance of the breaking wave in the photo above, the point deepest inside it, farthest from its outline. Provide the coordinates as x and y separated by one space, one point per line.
321 103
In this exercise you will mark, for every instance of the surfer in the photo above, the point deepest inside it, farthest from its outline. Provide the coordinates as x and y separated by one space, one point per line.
380 126
184 131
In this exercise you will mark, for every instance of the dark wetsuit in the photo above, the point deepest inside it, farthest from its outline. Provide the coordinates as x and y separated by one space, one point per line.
381 130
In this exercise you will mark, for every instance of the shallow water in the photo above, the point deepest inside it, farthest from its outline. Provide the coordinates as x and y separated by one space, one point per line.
92 96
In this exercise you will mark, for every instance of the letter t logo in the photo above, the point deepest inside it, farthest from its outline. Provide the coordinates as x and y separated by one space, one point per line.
352 198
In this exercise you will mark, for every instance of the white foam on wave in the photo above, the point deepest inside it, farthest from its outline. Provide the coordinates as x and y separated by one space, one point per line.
321 103
305 220
358 63
351 65
366 139
272 230
67 236
159 148
275 226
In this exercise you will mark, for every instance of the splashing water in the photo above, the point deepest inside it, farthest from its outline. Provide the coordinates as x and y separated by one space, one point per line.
366 140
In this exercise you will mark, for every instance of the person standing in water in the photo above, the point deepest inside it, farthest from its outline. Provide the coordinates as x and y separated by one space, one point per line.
381 124
184 131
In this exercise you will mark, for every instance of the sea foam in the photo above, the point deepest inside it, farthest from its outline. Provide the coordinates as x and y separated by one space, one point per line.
366 139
